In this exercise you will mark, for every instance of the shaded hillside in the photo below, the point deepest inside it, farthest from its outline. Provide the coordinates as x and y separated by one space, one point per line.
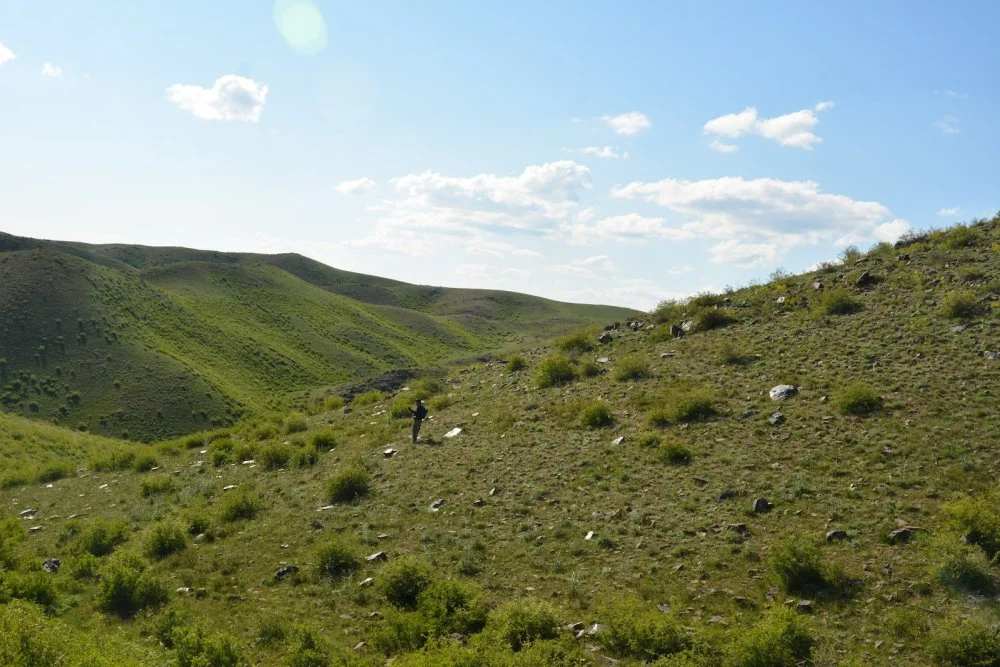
644 500
150 342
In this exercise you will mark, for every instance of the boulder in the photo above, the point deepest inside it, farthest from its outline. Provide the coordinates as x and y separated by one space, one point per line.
782 391
479 503
437 504
818 285
903 535
377 556
866 279
727 494
739 528
676 331
776 418
835 535
761 506
286 571
52 565
453 432
605 338
992 356
389 453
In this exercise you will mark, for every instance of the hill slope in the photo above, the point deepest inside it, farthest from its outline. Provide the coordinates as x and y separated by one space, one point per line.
653 499
150 342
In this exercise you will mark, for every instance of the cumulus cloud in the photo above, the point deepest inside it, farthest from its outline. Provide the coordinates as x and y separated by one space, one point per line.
6 55
947 125
756 222
48 69
639 293
630 227
359 186
231 97
723 147
586 266
606 152
487 271
949 212
952 94
680 270
792 129
628 124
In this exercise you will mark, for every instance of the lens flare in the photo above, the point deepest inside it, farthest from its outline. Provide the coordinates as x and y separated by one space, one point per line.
301 24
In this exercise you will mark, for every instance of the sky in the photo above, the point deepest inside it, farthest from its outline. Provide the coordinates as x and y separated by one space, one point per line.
602 152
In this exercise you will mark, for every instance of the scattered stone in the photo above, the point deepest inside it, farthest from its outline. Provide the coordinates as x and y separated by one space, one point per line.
727 494
619 440
804 606
324 508
199 538
866 279
761 506
229 487
285 571
389 453
687 325
35 529
904 257
596 628
479 503
437 504
992 356
678 567
575 627
28 513
818 285
676 331
603 360
453 432
589 535
700 481
184 590
902 535
749 412
375 614
780 300
368 581
102 487
52 565
836 535
739 528
377 556
249 462
782 391
605 338
75 516
958 328
776 418
493 491
360 645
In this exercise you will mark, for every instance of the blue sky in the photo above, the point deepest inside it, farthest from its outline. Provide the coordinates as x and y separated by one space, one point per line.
605 152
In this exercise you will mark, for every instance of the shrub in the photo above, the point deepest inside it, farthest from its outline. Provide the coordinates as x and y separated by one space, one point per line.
964 568
306 458
597 415
400 408
575 343
119 459
323 441
799 567
439 403
403 580
156 486
331 403
692 405
635 630
240 504
271 631
144 462
977 520
36 587
648 440
401 633
555 370
779 640
275 456
368 398
516 364
632 367
11 534
29 638
963 641
335 559
960 305
53 472
425 387
520 622
451 606
195 648
858 399
961 236
589 369
295 423
308 650
102 536
710 318
164 539
839 302
127 587
730 355
675 453
349 484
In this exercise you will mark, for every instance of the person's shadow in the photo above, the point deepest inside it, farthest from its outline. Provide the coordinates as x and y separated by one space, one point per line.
429 441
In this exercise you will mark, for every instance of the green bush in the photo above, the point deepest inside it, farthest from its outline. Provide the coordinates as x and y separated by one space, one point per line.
157 486
963 567
597 415
401 406
403 580
675 453
684 406
730 355
165 538
53 472
271 631
977 520
589 369
11 534
196 648
575 343
961 236
306 458
781 639
439 403
636 630
368 398
633 367
517 623
401 633
839 302
961 305
332 403
128 587
335 559
555 370
36 587
799 567
424 387
308 650
323 441
647 440
102 536
450 606
295 423
516 363
964 642
113 461
29 638
710 318
858 399
240 504
275 456
144 462
349 484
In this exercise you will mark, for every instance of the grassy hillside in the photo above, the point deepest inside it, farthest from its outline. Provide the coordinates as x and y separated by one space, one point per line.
647 508
146 343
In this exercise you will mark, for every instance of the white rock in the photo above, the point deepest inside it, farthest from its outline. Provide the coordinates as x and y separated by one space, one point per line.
590 535
453 432
782 391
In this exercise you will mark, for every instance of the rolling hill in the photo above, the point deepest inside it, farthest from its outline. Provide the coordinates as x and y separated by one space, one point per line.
645 500
146 343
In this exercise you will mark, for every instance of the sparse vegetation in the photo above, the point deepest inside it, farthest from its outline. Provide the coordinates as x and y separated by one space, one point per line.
349 484
960 305
516 363
631 368
597 415
839 301
335 559
240 504
555 370
859 400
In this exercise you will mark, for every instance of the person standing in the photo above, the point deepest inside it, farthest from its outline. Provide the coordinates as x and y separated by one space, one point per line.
419 413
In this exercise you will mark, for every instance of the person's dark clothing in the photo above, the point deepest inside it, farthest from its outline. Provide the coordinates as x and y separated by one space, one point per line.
418 416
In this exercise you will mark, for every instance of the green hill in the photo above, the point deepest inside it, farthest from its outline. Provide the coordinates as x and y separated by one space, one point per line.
145 343
637 501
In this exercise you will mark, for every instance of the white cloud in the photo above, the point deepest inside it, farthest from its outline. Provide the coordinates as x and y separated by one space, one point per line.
606 152
231 97
628 124
638 293
947 125
587 266
723 147
680 270
526 252
792 129
359 186
758 221
487 271
630 227
949 212
6 55
892 230
952 94
48 69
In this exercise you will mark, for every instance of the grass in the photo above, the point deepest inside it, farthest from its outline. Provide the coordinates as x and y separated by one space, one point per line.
505 558
555 370
631 368
348 485
597 415
858 399
960 305
839 301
